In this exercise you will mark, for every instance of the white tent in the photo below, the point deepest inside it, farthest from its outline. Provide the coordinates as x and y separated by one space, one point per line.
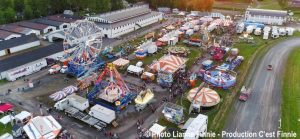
135 69
157 129
197 127
45 127
23 115
6 119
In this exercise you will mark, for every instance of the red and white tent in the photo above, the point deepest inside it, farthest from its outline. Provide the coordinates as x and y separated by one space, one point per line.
206 96
168 63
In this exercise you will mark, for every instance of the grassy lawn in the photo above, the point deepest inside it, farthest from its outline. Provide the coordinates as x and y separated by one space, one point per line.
3 81
290 118
270 4
4 129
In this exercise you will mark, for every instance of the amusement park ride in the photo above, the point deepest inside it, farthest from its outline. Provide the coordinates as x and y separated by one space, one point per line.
111 92
82 45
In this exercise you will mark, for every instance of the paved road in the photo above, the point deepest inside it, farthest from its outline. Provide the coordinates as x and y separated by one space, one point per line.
262 111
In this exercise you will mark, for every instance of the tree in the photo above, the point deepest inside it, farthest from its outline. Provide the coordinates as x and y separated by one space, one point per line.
28 13
116 4
10 15
19 5
2 19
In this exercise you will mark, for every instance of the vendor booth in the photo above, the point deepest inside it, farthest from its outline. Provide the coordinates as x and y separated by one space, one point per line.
121 63
135 70
166 67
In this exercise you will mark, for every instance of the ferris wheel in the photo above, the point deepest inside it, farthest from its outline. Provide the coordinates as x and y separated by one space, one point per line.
82 43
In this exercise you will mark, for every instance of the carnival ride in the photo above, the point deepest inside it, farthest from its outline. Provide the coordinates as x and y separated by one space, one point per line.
5 107
111 92
82 45
143 99
218 78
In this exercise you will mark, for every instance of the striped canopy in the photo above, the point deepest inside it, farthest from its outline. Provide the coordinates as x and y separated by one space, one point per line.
168 63
121 62
70 89
206 96
58 95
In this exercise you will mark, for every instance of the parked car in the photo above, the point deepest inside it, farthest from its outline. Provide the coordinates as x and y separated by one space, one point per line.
245 94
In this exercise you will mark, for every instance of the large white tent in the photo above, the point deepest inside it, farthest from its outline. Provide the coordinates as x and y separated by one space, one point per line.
197 127
42 127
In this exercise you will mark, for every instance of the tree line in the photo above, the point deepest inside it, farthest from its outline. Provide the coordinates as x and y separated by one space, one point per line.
16 10
199 5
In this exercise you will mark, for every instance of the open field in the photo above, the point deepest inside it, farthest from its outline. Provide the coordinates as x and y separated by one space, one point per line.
269 4
290 118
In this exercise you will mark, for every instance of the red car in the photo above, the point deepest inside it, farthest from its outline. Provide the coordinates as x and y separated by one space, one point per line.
269 67
5 107
245 94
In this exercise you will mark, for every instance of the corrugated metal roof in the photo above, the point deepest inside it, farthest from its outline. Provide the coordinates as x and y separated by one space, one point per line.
4 34
124 14
264 12
18 41
15 29
31 25
48 22
128 21
63 18
27 57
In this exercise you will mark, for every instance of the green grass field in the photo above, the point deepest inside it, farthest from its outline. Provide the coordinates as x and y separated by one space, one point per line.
290 118
269 4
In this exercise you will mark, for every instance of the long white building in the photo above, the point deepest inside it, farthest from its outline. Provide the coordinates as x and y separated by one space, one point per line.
271 17
117 23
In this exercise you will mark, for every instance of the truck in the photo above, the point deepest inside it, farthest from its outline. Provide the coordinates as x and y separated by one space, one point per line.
54 69
74 105
74 101
64 69
102 113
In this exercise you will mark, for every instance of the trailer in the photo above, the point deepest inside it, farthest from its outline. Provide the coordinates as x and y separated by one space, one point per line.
25 70
249 29
102 113
257 31
282 31
189 32
240 28
54 69
74 101
275 33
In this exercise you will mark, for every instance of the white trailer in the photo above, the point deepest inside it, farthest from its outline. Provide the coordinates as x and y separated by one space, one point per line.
249 29
102 113
211 27
240 27
282 31
189 32
257 31
275 33
74 101
266 35
196 28
290 31
25 70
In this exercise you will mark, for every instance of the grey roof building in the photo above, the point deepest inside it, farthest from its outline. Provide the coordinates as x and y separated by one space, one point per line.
272 17
120 22
30 56
17 29
57 24
6 35
18 41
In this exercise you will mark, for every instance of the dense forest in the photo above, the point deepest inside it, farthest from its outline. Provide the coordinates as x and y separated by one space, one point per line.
201 5
15 10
